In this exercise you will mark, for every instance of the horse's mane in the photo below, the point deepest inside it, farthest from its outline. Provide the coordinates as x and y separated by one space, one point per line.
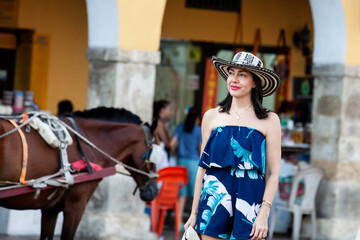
109 114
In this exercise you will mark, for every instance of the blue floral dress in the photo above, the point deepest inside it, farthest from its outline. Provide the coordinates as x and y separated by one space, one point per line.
233 185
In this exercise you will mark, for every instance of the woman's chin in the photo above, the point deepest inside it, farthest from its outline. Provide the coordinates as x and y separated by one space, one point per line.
237 94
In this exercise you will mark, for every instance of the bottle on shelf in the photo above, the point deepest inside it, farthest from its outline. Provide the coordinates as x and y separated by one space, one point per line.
307 133
298 133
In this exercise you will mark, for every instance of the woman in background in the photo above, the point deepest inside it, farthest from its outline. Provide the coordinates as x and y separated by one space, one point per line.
187 137
162 112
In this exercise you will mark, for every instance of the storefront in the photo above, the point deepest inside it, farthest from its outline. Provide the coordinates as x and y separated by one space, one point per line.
116 62
183 79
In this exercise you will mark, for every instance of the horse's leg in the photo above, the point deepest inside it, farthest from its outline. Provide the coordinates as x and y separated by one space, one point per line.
48 222
74 207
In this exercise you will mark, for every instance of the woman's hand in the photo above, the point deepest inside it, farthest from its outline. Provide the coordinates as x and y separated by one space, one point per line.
260 226
191 221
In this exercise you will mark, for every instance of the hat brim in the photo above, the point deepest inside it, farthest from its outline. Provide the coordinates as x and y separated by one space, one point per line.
270 80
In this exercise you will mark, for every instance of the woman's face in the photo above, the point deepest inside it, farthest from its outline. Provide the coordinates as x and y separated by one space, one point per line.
166 112
239 82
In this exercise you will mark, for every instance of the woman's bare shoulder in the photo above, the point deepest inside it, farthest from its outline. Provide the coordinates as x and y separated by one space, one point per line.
272 122
211 113
209 118
273 117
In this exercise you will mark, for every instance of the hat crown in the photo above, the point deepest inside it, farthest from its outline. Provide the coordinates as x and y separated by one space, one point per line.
248 59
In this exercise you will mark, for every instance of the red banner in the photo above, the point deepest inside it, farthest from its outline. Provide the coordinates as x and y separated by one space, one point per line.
210 86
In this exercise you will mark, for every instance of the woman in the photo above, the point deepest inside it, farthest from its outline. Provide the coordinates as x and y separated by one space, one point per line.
239 167
187 137
162 112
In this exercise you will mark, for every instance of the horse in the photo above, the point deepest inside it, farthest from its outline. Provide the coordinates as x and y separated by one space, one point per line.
117 132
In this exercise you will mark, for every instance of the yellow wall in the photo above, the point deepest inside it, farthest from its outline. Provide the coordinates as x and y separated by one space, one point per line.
352 19
217 26
65 22
140 24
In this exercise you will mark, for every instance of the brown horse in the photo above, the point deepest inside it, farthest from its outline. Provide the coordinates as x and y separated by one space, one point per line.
117 132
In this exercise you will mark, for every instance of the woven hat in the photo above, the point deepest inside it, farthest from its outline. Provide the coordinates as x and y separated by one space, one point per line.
270 80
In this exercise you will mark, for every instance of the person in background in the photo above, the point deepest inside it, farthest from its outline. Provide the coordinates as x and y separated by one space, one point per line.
64 106
162 112
187 138
238 171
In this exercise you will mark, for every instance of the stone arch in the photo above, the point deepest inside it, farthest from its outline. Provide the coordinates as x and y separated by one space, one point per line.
329 32
336 133
103 23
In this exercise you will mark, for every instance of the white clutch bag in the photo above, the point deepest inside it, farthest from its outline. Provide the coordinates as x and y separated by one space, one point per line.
190 234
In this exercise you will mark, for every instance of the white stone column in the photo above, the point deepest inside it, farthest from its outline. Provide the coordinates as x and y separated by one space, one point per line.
336 148
113 213
119 78
122 78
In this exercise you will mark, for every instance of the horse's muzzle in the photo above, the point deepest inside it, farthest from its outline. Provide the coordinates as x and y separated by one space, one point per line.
150 192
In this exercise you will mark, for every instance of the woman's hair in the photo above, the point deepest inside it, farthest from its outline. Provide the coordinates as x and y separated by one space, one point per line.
256 99
191 119
158 106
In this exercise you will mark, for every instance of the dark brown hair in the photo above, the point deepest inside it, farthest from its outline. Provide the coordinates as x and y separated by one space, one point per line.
256 99
191 119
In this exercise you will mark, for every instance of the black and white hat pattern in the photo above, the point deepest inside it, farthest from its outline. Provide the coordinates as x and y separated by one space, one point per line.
270 80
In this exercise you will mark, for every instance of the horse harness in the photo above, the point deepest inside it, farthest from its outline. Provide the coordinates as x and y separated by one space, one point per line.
82 154
58 129
56 136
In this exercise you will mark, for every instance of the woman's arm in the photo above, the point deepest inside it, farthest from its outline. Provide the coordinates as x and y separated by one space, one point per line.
273 157
205 132
173 143
163 134
197 192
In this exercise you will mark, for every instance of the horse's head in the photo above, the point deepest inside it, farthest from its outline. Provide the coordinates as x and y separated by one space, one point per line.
146 178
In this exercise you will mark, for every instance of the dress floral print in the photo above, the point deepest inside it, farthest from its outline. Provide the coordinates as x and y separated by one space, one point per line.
233 186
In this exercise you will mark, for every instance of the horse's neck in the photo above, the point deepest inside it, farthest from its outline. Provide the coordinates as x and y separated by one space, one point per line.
116 139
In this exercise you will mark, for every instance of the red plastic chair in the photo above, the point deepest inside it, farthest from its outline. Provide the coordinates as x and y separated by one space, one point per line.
172 179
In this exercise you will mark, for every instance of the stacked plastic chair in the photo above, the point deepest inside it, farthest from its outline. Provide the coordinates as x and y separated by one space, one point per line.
170 180
311 177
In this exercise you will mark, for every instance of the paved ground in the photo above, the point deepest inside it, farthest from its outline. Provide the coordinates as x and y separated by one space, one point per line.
168 234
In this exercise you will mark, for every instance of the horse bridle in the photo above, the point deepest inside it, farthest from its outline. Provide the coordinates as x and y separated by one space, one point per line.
149 142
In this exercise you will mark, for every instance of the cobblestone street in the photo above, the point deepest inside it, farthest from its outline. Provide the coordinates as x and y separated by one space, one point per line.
168 234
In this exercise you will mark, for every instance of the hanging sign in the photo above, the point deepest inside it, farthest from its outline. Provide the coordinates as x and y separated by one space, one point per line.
194 54
210 86
193 82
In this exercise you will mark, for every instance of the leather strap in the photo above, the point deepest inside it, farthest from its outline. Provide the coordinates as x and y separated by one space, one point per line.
82 154
25 152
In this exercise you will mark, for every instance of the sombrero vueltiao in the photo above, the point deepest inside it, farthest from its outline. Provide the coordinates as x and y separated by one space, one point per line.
270 80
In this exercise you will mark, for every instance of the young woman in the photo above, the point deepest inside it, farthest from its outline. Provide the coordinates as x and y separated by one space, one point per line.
162 112
187 138
238 171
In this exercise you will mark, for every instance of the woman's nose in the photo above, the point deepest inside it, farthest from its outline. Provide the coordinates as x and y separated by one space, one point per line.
233 79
